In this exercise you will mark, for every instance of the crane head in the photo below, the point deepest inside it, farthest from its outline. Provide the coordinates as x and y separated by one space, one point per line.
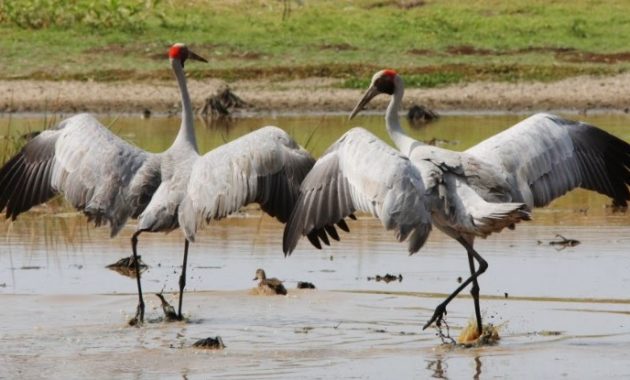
383 82
181 52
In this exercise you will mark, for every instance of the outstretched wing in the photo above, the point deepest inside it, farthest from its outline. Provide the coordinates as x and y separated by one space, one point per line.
359 172
96 171
265 166
547 156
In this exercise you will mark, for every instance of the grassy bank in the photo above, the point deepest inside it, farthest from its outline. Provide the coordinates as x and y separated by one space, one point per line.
433 42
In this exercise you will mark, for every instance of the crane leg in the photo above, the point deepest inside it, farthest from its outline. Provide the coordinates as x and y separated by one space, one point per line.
182 281
139 318
440 311
474 291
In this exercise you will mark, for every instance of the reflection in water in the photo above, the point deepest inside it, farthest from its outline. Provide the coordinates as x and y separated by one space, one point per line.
477 367
437 368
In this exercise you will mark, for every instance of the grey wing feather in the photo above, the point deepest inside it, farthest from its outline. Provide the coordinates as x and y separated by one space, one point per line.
547 156
361 173
265 167
96 171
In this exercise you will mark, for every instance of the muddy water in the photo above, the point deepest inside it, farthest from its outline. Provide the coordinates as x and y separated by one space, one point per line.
567 311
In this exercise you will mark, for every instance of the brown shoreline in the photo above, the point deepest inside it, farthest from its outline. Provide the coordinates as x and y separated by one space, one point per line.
314 95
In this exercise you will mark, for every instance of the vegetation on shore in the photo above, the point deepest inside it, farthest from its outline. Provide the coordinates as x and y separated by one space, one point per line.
433 42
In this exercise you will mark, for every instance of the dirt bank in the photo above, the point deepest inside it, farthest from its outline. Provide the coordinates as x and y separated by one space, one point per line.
313 95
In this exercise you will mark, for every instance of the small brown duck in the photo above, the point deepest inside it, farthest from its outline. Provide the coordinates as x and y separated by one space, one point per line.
269 285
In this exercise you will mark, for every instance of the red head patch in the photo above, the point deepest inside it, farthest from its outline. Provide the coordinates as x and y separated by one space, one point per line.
175 52
390 72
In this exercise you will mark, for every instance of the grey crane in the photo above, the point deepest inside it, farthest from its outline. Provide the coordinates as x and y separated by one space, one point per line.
477 192
110 180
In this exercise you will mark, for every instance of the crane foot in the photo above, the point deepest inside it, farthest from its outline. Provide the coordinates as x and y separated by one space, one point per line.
138 320
437 317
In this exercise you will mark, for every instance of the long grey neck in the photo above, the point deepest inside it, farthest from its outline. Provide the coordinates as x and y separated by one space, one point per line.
186 135
403 142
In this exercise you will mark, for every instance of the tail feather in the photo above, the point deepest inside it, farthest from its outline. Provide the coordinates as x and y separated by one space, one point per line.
494 217
471 214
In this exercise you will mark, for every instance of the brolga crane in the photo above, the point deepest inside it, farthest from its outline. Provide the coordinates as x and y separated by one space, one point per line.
110 180
469 194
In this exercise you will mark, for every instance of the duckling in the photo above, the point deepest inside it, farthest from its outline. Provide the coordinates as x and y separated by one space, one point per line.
272 284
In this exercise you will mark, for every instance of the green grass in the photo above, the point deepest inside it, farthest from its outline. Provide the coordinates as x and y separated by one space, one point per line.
434 44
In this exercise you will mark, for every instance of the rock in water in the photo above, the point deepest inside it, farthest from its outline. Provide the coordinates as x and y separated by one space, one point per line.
127 266
305 285
210 343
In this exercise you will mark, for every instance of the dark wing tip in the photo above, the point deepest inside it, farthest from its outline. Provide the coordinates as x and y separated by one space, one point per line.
604 161
332 232
342 224
25 179
313 237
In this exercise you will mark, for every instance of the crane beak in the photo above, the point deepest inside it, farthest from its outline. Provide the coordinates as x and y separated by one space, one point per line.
196 57
369 95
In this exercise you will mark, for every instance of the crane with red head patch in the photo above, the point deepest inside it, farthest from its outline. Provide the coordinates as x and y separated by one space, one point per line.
111 180
102 175
488 187
181 52
383 82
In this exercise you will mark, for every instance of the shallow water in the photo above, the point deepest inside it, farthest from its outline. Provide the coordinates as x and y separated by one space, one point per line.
567 311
